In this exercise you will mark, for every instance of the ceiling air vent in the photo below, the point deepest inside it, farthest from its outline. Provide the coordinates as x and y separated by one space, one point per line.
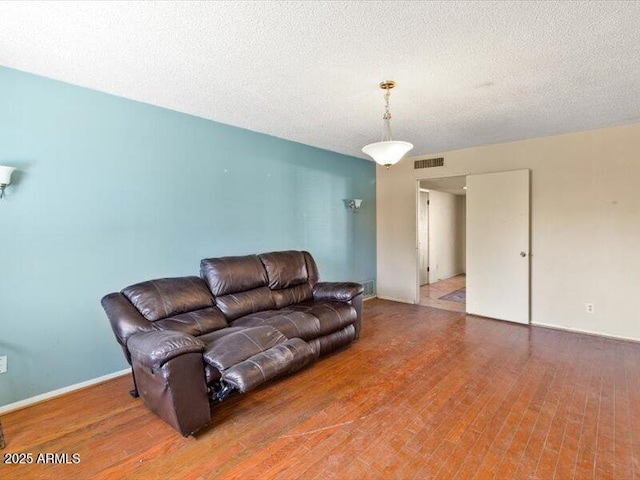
429 163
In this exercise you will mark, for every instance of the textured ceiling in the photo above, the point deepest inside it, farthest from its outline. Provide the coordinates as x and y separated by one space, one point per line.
468 73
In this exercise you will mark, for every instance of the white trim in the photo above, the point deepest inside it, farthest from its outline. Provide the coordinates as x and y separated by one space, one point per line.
416 252
400 300
450 276
585 332
61 391
370 297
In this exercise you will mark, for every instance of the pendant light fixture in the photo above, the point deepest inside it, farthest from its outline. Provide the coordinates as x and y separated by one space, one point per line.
387 152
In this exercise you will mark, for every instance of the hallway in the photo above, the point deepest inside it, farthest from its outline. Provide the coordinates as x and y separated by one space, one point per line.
430 294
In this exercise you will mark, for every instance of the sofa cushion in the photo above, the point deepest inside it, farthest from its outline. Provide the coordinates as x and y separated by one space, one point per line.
288 277
239 284
197 322
208 338
238 304
328 343
332 316
307 320
288 296
248 357
281 359
227 275
239 346
290 323
212 374
166 297
312 268
284 269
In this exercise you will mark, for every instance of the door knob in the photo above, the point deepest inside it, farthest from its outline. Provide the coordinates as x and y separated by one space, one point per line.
523 254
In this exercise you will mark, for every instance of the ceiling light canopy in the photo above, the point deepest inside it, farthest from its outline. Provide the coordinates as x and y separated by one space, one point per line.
387 152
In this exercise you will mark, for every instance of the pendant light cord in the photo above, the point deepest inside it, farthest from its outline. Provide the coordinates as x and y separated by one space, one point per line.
386 126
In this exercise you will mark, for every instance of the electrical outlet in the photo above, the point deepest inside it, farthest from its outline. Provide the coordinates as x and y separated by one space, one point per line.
589 308
3 364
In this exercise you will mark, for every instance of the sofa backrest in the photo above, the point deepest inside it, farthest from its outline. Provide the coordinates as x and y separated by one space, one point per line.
239 284
182 304
288 274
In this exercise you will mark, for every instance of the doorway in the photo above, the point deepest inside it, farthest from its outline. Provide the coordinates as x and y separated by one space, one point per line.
492 242
442 243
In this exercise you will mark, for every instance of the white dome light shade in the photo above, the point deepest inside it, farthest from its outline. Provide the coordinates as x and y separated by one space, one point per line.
387 153
5 175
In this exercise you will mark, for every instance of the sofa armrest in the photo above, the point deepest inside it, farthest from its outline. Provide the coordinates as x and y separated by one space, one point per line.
340 291
154 349
170 377
124 318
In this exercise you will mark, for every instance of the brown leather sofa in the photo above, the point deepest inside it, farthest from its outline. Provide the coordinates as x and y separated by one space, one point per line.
247 320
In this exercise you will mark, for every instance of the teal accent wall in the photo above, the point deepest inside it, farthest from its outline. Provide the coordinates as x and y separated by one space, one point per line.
111 192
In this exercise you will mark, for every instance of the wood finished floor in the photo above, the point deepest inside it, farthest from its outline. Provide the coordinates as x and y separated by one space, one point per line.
430 294
424 393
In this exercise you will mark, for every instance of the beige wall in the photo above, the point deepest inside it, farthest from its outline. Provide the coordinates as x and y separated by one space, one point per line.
585 207
461 232
445 241
423 240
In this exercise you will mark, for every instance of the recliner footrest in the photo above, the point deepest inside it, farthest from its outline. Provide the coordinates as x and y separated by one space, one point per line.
284 358
227 351
252 356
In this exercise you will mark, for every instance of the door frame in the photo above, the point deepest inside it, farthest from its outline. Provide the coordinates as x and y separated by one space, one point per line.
422 191
416 296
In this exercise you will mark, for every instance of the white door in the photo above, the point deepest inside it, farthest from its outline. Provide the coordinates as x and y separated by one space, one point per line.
423 237
498 245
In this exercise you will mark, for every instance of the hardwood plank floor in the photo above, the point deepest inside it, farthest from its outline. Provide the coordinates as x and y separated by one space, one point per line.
424 393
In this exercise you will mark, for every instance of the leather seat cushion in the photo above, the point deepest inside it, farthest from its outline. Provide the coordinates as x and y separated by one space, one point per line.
248 357
236 347
290 323
208 338
307 320
212 374
194 323
333 341
333 316
281 359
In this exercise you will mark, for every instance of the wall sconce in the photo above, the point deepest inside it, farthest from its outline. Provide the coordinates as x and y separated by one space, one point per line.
353 204
5 178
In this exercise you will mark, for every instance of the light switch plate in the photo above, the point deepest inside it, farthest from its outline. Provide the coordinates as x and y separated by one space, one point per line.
3 364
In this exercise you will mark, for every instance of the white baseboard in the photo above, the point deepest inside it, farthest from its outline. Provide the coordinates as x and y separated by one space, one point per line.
61 391
369 298
448 277
586 332
401 300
